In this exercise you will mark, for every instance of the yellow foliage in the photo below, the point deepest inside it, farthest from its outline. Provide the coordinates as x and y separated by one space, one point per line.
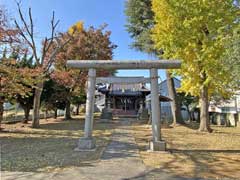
196 32
76 28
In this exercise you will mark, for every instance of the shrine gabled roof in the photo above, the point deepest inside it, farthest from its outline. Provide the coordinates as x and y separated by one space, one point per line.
129 93
123 80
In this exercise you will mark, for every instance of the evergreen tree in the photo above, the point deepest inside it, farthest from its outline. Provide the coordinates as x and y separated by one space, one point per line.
140 18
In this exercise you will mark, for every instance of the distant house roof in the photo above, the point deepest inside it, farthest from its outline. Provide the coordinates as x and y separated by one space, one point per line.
161 98
163 88
176 82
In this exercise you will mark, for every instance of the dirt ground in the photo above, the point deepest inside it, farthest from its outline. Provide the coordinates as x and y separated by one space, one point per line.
50 146
192 153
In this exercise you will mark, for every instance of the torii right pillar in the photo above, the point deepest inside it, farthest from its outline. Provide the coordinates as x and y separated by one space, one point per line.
157 144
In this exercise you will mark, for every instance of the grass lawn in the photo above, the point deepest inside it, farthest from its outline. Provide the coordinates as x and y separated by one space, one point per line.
49 147
191 153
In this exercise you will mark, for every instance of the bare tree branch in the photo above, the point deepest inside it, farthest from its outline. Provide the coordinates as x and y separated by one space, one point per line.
20 31
27 33
54 53
46 44
29 30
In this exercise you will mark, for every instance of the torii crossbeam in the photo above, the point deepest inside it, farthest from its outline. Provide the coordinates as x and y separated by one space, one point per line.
87 142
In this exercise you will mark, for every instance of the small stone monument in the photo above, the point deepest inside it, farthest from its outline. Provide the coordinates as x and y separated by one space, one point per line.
144 115
106 114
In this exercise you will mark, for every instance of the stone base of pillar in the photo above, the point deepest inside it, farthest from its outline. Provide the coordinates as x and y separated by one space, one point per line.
86 144
157 146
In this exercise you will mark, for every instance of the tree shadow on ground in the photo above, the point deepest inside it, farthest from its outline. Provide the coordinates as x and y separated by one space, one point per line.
34 154
159 174
203 165
78 124
199 164
191 125
52 146
203 151
191 154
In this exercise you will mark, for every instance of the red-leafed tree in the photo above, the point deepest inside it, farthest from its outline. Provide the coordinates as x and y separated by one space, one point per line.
11 78
14 81
86 44
8 35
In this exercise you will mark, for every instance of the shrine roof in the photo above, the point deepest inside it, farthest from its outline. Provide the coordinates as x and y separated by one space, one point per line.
123 80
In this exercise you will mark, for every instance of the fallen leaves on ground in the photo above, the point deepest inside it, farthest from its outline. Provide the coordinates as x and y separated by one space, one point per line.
192 153
49 147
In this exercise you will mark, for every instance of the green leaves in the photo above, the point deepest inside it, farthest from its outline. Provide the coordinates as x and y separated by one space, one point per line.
139 22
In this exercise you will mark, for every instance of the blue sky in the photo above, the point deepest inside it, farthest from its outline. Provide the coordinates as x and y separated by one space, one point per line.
92 12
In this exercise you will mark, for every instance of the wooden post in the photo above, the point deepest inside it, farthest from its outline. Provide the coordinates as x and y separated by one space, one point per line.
156 144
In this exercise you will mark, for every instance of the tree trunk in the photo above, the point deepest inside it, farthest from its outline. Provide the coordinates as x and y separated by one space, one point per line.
204 115
26 115
36 105
189 114
46 114
1 110
175 105
55 113
67 114
77 110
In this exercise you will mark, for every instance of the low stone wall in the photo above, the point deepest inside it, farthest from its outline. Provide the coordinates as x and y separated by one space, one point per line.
19 118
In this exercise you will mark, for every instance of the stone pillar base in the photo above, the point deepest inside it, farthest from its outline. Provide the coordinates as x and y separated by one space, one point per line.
86 144
157 146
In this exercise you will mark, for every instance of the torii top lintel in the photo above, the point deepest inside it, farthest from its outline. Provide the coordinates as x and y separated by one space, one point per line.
124 64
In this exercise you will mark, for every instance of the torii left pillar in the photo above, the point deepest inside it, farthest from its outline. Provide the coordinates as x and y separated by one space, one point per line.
88 142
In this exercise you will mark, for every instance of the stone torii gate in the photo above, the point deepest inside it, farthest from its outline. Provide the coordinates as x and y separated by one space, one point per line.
88 142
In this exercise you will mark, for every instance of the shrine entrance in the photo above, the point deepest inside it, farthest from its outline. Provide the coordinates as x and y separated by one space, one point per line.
88 142
125 95
125 103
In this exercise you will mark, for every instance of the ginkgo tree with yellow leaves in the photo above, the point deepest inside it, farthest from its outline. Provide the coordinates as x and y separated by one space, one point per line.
196 32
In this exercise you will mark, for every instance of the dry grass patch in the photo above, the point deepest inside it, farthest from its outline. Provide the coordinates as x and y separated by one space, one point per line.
50 146
193 154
